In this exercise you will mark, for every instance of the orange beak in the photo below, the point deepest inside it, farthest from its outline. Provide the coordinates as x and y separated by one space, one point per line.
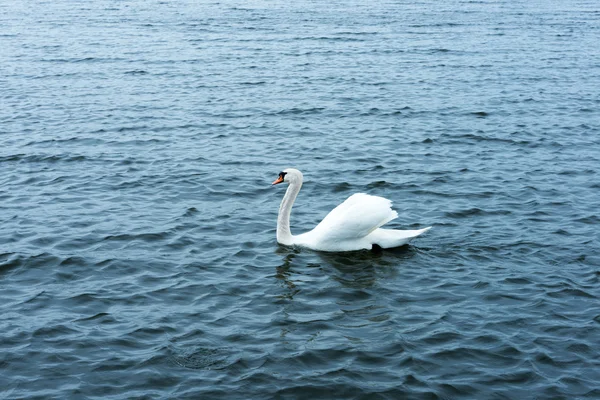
278 180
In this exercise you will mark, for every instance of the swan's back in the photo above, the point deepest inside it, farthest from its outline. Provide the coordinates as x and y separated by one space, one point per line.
355 218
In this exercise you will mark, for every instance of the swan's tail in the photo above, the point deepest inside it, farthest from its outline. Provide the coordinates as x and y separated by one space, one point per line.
389 238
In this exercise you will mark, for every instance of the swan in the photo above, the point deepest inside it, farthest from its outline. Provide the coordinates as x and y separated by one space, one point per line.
353 225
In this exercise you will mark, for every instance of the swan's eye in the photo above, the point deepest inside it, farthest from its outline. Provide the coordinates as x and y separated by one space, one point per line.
282 175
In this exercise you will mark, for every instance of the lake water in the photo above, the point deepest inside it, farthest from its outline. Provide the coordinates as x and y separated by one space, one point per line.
138 141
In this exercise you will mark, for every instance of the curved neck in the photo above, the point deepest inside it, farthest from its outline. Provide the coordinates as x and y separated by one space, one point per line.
284 234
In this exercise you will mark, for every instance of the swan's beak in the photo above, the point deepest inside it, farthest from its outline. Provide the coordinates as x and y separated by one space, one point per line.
278 180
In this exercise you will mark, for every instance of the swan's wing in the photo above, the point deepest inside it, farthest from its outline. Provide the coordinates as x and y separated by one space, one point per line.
355 218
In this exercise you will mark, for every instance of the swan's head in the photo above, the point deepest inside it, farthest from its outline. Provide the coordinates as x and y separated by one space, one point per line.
289 175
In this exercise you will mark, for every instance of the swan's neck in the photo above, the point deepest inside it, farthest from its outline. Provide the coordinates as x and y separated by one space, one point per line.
284 234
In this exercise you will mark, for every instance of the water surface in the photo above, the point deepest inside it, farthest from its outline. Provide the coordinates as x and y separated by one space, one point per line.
138 140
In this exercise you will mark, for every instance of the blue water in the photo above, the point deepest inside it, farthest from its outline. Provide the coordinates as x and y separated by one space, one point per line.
138 141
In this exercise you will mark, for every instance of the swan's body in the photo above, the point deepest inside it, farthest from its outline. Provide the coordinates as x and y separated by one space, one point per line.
353 225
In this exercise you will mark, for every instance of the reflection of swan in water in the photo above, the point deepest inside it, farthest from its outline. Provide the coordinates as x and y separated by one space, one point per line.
283 274
356 269
353 225
347 292
362 269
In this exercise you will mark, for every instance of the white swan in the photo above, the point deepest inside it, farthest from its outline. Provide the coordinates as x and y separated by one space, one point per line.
353 225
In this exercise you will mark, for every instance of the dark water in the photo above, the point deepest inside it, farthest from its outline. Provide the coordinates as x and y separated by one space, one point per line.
138 140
